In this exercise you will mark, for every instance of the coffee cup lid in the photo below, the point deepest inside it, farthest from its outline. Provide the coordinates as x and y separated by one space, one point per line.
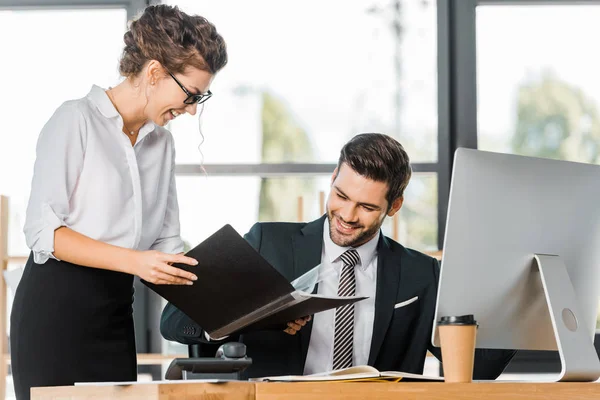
457 320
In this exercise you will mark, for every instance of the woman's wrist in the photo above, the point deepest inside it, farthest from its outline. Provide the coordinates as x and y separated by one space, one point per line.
130 258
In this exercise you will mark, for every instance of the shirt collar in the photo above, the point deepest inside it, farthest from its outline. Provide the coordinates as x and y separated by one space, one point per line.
366 251
100 99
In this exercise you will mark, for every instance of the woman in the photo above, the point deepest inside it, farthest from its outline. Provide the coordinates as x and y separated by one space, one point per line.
103 206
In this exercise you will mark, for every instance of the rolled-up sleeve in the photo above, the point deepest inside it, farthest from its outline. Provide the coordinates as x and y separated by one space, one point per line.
59 159
169 241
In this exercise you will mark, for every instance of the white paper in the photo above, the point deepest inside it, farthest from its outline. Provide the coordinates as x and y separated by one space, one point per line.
308 281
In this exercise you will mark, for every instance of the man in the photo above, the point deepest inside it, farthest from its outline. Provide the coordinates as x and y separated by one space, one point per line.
391 330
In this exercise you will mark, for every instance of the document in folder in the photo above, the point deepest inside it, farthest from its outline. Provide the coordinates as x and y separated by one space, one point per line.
238 290
353 374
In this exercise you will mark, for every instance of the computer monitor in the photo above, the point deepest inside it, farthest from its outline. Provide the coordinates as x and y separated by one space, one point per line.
522 254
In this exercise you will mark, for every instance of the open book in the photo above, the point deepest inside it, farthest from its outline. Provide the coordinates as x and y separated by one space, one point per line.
357 373
238 290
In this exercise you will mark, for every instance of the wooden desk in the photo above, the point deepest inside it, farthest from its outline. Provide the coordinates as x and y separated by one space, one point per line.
149 391
142 358
318 391
429 391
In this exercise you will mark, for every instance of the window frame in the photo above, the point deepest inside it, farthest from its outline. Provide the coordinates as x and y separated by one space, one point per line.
457 127
133 7
147 306
146 341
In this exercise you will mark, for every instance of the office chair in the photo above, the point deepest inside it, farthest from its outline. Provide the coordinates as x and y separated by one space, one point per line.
228 362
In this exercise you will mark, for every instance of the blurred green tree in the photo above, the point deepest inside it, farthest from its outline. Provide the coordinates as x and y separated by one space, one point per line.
556 120
283 140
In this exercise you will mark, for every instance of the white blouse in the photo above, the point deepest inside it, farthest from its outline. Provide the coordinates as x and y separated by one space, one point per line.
88 177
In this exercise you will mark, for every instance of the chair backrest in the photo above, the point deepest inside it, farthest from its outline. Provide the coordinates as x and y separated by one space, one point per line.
207 350
194 350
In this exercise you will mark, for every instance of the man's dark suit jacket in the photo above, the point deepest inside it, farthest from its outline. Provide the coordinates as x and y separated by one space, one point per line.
401 337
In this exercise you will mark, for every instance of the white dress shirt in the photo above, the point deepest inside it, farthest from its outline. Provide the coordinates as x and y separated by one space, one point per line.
320 349
88 177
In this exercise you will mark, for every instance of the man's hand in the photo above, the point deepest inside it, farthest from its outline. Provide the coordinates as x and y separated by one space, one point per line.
295 326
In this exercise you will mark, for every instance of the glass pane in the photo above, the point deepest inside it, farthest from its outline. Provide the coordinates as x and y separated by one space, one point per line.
78 48
207 203
538 88
537 81
297 87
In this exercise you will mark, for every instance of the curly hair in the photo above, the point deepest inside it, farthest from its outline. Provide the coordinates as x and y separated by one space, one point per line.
173 38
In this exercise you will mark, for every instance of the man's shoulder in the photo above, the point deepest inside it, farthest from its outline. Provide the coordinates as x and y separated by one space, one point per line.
411 259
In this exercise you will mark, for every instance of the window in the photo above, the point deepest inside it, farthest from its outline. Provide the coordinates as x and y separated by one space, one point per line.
298 85
39 72
329 74
302 79
48 56
542 99
242 201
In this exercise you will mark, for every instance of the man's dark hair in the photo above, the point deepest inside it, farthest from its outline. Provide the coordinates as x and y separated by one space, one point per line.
380 158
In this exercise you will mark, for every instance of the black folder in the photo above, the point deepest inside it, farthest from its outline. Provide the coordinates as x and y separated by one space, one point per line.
238 290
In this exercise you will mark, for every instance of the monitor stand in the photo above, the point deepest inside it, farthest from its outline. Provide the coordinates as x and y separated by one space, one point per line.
577 353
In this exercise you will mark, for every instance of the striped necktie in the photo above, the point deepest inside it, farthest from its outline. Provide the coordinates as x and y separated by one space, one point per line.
343 338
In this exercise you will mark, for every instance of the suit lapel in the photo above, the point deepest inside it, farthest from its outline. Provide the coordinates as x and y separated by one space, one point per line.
307 244
388 278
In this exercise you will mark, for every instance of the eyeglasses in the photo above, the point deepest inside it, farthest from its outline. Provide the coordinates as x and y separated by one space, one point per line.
192 98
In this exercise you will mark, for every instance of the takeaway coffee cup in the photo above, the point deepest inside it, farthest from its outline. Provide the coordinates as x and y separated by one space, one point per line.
457 339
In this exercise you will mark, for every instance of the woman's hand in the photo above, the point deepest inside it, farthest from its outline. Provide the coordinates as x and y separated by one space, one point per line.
155 267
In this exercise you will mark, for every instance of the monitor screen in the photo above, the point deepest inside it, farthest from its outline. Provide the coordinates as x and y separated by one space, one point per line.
503 210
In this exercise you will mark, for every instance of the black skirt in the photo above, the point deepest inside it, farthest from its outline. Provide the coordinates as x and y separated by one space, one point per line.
71 324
